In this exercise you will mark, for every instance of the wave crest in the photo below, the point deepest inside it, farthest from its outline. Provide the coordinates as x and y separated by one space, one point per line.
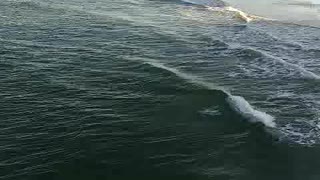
243 107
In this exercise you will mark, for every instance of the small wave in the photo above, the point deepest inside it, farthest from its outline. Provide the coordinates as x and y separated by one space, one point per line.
238 103
304 72
190 78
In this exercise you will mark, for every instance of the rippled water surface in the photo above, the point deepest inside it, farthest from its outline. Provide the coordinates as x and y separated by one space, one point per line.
122 89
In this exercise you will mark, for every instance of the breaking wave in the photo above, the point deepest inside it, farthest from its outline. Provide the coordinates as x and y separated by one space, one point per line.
237 103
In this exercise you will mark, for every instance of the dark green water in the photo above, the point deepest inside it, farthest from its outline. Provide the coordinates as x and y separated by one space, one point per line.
138 89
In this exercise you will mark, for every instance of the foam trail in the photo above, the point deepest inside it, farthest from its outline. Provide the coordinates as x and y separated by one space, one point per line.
238 103
305 73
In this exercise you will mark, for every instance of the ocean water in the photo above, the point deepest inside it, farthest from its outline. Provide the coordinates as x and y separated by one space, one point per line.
155 89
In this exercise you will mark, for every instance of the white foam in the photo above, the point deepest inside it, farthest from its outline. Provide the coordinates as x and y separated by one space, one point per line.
238 103
243 107
300 135
240 14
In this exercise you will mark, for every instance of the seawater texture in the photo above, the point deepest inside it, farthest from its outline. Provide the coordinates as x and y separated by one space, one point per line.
192 89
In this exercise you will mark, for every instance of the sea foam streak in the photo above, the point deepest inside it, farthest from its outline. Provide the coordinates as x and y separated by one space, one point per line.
304 72
238 103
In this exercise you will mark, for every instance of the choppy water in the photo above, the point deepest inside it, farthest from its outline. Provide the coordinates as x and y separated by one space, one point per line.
190 89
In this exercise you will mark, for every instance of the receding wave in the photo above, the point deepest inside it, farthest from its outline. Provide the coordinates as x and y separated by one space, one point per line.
238 103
